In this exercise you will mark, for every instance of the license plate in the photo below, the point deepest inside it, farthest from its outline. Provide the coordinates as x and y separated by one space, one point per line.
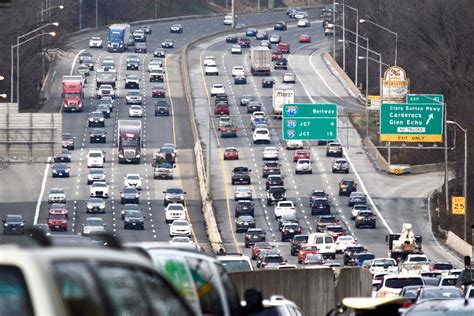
13 228
134 224
56 226
292 231
246 224
60 173
328 247
241 179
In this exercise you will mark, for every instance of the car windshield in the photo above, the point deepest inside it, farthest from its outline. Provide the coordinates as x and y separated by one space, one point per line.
133 177
301 238
133 213
57 216
357 194
96 171
356 249
442 266
134 93
95 155
174 190
365 214
93 222
175 207
14 218
236 265
128 207
180 223
130 190
245 218
381 263
273 259
345 238
365 256
99 185
56 191
327 219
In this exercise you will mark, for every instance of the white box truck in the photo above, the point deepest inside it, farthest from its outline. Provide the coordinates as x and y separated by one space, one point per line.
282 94
261 59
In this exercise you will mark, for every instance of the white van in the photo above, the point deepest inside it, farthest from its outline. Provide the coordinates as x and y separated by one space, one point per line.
95 158
199 278
83 279
325 244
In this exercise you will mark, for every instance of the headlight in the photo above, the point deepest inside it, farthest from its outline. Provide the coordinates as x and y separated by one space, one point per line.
5 225
55 171
122 195
120 155
102 206
137 156
101 119
91 119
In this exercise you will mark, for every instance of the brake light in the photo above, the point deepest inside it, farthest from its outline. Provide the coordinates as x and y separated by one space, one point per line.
263 264
406 305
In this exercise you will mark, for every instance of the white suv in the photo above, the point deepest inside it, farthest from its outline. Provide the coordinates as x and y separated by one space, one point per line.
133 180
95 158
105 90
99 189
261 135
236 263
217 88
238 71
303 166
174 211
211 70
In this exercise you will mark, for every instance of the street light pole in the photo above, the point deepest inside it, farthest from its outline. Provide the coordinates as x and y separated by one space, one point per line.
233 15
17 46
388 30
334 33
96 13
466 212
343 36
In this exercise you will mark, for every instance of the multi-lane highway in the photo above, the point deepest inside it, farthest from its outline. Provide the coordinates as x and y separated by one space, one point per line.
24 188
315 83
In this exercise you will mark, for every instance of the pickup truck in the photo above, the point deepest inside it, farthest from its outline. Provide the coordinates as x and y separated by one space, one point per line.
383 265
413 267
284 207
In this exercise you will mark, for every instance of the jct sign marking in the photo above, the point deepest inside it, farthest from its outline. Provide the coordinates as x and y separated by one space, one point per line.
309 122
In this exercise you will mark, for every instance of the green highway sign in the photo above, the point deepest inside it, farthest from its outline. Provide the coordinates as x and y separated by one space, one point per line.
412 122
309 121
425 98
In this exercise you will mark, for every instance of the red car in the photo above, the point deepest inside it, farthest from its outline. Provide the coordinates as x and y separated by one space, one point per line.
158 91
231 153
259 246
283 48
325 220
221 109
305 38
304 250
57 222
276 55
59 208
335 231
301 154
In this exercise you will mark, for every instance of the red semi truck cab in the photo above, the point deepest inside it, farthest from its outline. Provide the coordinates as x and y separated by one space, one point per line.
73 94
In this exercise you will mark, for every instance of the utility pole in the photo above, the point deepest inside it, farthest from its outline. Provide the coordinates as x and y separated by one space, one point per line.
96 13
233 15
208 167
258 6
80 15
343 36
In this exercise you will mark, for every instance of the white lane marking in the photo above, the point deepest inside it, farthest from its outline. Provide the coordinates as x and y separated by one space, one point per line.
40 197
74 61
364 189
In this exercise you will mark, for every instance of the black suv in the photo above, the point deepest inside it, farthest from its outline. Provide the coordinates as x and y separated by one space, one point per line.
270 167
244 222
281 63
268 82
286 218
365 218
253 106
320 206
347 186
133 64
317 194
244 207
334 150
97 135
280 26
289 230
134 220
254 235
162 108
275 194
350 251
241 175
274 180
296 243
232 38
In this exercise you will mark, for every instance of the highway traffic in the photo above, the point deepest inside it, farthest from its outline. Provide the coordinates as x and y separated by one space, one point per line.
128 165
